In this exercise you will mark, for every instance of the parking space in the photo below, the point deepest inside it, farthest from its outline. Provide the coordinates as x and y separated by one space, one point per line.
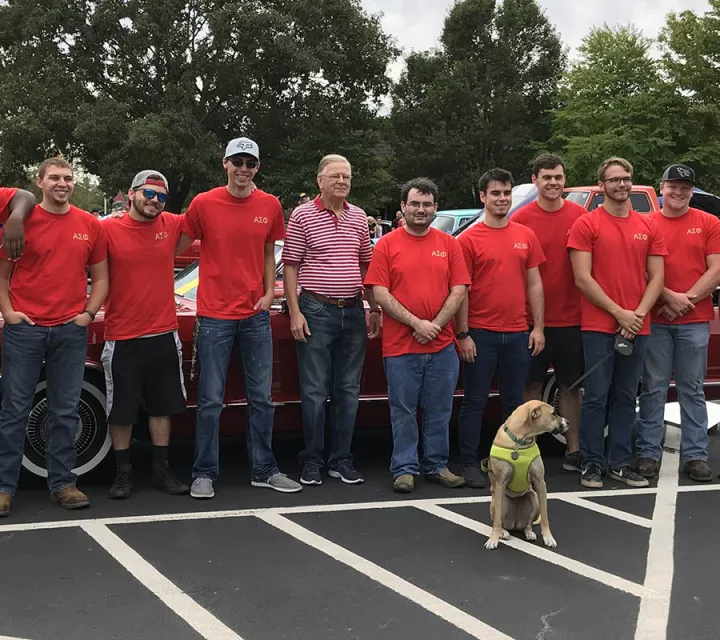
360 563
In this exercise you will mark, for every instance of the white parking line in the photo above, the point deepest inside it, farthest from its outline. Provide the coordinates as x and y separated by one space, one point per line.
540 552
429 602
608 511
655 606
206 624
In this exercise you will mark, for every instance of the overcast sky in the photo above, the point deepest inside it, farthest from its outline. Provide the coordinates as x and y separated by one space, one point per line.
417 24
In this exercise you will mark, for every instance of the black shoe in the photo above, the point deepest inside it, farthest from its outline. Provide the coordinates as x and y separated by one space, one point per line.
346 472
591 477
572 461
647 467
164 479
698 470
311 475
629 477
122 487
474 478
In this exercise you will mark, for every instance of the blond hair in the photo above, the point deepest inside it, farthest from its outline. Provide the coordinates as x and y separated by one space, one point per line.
333 157
614 161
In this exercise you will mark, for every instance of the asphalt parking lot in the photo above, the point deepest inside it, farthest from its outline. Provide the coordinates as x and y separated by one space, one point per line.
359 562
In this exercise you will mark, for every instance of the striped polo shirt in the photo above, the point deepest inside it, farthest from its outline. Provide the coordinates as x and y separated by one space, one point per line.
328 250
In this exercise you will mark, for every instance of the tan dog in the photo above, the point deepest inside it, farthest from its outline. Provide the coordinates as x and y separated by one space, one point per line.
517 473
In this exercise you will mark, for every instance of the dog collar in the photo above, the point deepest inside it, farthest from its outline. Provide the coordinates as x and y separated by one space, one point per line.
519 442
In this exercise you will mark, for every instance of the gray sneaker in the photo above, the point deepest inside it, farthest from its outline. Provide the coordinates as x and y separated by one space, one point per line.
280 482
202 488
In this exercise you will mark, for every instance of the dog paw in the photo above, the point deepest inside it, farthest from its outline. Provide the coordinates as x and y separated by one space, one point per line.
530 536
505 535
549 541
492 543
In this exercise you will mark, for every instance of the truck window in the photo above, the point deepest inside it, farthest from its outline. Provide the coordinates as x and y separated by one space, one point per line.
578 197
640 202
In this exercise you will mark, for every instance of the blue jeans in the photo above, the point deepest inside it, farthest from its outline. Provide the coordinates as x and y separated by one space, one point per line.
682 349
610 397
507 353
427 380
24 348
330 365
253 340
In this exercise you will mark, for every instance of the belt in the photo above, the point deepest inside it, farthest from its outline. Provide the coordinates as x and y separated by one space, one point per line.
335 302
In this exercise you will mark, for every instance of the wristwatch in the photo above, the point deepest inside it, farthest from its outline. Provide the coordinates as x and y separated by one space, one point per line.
462 335
90 313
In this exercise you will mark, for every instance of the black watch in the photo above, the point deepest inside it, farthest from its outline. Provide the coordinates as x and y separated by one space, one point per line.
462 335
90 313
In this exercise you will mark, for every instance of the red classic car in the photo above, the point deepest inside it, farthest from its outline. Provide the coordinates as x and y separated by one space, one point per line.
93 438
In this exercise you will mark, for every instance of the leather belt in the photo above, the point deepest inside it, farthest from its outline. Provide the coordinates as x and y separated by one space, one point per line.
335 302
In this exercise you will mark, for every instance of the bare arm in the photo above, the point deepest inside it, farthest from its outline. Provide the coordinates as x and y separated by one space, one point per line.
21 207
451 306
99 281
269 268
290 286
588 286
369 291
393 308
708 281
536 298
461 318
183 244
656 279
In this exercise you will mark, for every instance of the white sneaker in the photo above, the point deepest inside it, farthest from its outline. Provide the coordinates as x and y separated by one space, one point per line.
202 489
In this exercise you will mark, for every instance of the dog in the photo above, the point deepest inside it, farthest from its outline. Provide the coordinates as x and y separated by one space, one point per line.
518 496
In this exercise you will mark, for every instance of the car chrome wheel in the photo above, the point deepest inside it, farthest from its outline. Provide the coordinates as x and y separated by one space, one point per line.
92 438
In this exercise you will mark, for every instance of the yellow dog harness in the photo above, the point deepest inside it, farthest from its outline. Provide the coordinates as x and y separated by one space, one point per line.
520 459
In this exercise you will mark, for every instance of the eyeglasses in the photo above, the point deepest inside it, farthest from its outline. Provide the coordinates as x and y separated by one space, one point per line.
616 181
250 164
428 206
149 194
336 177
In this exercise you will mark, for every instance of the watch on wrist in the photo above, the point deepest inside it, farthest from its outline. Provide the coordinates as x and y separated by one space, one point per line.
461 335
90 313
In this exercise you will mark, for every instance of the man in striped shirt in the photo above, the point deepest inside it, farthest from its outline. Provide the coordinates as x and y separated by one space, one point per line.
327 252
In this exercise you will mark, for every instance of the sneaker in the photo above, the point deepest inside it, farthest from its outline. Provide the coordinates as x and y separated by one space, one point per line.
5 504
70 498
311 475
404 484
346 472
592 477
446 478
278 481
698 470
474 477
629 477
572 461
202 488
164 479
647 467
122 487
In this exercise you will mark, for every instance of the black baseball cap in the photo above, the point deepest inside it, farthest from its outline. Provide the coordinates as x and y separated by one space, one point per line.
677 172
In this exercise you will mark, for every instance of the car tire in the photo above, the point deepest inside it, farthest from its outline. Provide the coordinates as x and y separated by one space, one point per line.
93 436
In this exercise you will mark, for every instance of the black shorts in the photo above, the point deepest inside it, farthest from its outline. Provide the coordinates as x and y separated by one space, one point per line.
564 351
143 372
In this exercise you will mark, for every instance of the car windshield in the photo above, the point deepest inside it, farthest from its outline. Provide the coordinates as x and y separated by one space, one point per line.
578 197
444 223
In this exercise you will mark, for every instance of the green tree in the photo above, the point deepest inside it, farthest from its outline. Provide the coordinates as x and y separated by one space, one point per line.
691 45
122 86
615 101
482 99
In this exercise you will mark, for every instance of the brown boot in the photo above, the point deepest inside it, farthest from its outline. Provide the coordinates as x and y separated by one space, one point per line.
5 502
70 498
698 470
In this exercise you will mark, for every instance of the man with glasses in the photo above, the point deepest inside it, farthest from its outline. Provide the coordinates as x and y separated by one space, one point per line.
327 252
680 331
617 258
238 227
421 362
142 356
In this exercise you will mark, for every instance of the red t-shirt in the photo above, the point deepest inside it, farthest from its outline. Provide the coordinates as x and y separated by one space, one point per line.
234 232
49 283
498 261
620 248
552 228
6 194
141 255
690 239
419 272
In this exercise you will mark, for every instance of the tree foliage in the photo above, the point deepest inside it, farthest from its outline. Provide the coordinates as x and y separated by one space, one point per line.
126 85
482 99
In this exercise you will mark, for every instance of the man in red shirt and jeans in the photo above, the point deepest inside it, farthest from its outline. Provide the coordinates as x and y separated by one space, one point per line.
47 312
419 279
142 355
238 227
502 258
612 249
680 330
551 217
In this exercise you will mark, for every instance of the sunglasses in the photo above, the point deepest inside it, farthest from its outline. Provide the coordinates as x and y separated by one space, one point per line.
149 194
250 164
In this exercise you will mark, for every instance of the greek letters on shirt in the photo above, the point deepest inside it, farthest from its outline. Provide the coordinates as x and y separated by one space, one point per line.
81 236
439 254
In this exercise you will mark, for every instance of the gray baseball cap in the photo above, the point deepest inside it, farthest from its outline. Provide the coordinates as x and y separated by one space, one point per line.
242 146
142 178
677 172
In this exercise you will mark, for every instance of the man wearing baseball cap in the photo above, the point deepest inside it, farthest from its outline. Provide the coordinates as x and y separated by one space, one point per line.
142 354
238 227
680 328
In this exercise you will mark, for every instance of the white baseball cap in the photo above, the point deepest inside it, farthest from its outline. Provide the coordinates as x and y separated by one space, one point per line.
244 146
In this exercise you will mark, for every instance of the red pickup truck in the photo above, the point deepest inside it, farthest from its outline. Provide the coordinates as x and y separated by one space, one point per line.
642 199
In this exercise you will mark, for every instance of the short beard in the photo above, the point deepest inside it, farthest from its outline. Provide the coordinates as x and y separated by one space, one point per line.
140 208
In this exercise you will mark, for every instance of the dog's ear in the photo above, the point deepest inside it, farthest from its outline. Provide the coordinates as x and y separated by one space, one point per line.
535 413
